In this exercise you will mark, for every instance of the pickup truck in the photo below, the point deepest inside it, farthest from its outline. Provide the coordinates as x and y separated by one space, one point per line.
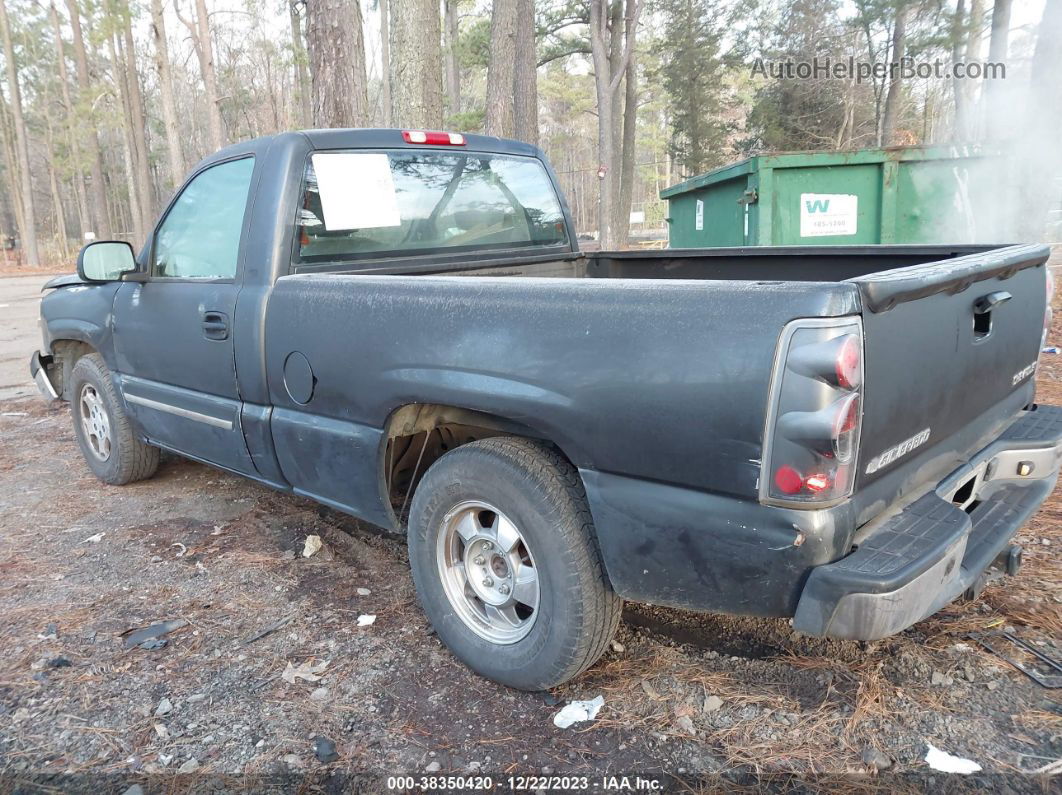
400 325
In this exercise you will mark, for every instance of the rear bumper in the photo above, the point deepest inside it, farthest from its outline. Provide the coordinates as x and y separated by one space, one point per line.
912 562
39 371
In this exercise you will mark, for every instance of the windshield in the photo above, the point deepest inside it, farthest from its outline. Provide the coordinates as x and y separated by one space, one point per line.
373 204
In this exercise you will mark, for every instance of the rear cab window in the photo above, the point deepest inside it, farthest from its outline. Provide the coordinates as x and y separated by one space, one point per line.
378 204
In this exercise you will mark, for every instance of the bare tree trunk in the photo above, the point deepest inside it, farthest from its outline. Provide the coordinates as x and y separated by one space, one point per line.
609 72
57 204
203 43
302 74
78 178
169 106
615 54
416 60
29 232
11 173
501 71
630 121
973 54
453 64
603 90
385 60
97 188
962 123
336 46
996 115
141 155
892 98
525 80
128 147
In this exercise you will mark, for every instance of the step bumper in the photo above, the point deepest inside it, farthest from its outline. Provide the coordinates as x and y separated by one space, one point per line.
923 556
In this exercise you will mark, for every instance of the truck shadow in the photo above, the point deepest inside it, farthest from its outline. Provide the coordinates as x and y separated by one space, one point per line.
750 638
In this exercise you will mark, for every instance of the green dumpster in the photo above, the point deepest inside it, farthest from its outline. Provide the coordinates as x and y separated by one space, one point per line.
931 194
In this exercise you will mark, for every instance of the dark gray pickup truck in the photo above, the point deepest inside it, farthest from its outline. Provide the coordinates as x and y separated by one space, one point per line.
400 325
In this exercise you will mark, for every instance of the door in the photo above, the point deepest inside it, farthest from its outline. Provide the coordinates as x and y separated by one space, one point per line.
173 333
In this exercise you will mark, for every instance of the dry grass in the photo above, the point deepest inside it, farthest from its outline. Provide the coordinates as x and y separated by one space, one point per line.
762 728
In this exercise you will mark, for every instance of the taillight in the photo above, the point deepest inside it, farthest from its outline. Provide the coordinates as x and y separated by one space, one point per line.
847 367
811 440
433 138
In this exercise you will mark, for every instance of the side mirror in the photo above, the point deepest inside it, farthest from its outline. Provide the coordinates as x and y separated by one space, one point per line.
105 261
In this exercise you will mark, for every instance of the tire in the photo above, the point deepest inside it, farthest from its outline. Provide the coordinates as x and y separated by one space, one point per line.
103 430
485 490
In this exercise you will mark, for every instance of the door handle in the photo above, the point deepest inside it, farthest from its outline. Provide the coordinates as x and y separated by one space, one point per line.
215 325
986 303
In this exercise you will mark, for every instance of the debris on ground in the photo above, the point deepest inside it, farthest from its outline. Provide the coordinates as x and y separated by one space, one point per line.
1049 674
944 762
312 547
94 539
269 628
366 620
876 759
325 750
362 591
307 670
144 637
712 704
578 712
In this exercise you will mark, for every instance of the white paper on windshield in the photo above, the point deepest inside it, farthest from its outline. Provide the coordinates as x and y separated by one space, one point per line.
356 189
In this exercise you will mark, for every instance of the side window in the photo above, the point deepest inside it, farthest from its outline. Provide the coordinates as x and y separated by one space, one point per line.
200 237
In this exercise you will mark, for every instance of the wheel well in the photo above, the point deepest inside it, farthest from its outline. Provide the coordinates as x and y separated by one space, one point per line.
419 434
65 354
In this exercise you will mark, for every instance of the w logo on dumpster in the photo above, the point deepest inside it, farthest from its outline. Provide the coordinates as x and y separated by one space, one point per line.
828 214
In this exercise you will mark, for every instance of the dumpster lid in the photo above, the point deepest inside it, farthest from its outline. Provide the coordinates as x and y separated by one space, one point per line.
721 174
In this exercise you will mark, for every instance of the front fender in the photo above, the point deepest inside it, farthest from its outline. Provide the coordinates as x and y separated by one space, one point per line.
82 313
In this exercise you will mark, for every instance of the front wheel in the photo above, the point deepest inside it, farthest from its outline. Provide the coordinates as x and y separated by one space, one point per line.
110 448
506 563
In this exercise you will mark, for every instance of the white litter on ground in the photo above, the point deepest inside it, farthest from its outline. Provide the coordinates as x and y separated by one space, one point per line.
94 539
946 763
366 620
578 712
313 546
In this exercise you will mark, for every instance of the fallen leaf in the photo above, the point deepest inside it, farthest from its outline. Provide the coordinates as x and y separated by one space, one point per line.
306 670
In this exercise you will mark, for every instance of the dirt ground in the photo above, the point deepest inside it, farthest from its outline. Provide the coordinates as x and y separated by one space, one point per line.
693 701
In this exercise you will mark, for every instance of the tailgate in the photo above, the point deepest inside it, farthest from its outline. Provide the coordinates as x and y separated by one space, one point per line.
945 343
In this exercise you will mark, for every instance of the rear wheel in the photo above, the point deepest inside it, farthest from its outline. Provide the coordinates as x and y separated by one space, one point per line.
506 564
110 448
